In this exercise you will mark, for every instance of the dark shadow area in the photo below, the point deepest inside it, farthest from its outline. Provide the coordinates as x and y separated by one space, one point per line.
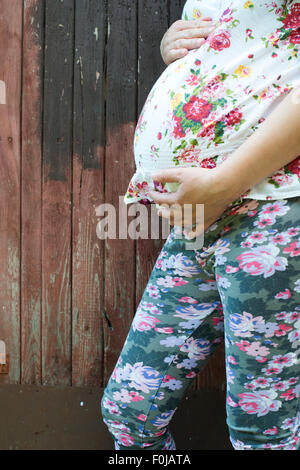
59 418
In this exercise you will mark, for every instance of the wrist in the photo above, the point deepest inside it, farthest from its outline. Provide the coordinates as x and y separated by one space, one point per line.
228 185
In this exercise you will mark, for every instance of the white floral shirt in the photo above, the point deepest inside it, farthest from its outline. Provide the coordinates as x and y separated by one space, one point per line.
204 105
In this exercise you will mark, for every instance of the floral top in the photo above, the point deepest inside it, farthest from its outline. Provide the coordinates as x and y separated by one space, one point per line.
207 103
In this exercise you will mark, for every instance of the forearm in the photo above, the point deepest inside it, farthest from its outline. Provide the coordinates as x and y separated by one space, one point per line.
274 144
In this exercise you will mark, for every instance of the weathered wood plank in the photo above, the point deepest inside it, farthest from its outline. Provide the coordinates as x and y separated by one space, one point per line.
152 24
78 294
31 191
56 193
10 73
119 168
175 10
88 193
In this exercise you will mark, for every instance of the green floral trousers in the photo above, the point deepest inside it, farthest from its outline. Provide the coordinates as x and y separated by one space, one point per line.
243 287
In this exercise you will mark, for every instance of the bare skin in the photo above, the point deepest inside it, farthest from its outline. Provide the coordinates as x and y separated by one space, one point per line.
183 36
274 144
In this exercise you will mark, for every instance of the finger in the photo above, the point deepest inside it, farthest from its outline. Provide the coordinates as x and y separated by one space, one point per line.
192 33
175 213
175 54
162 198
186 24
172 216
168 175
188 43
180 43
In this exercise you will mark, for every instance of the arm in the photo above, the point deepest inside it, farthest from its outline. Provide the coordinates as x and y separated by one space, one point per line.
274 144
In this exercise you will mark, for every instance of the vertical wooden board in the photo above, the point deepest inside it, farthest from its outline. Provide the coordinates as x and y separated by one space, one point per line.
88 193
56 193
31 190
119 167
10 76
152 24
175 10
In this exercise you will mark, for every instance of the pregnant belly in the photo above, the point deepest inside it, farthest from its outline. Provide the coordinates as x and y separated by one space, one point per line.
200 110
192 114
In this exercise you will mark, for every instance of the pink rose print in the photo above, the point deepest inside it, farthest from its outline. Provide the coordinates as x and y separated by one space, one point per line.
191 375
289 394
178 131
166 330
197 109
275 209
208 130
283 295
292 19
144 322
262 261
189 155
219 40
255 349
293 249
272 431
259 403
125 439
281 178
264 221
282 330
233 117
208 163
231 402
294 37
231 269
189 300
142 417
294 166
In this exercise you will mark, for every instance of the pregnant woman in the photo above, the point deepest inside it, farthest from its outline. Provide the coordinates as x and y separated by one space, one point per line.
220 127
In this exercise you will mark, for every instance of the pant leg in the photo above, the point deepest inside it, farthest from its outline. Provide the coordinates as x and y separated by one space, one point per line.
259 284
177 326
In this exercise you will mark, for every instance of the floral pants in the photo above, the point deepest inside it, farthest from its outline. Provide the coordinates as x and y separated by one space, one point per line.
243 287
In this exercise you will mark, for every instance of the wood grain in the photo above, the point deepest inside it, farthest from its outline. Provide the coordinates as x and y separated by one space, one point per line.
56 193
149 59
121 104
31 234
10 74
88 193
74 76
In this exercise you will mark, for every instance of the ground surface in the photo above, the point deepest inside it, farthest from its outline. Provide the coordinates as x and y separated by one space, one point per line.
69 419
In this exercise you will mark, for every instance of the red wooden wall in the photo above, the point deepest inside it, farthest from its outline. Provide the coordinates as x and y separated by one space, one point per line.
76 74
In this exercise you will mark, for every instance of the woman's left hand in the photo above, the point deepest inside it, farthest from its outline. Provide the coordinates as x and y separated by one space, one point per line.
198 186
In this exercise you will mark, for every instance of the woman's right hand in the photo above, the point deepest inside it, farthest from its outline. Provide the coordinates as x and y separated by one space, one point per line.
184 35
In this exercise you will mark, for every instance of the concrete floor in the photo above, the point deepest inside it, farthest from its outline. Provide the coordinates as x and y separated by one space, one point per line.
54 418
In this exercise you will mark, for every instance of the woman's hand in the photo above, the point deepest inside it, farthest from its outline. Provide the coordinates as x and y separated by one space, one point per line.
183 36
198 186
